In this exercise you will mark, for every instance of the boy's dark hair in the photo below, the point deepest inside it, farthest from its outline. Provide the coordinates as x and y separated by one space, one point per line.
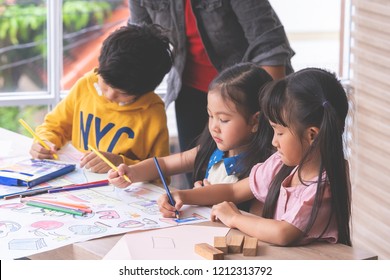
241 84
135 58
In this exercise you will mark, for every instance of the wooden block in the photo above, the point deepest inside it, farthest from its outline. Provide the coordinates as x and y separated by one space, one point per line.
220 243
235 244
208 252
250 246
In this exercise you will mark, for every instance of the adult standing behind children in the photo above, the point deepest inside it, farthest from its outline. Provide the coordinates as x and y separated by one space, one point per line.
113 107
208 37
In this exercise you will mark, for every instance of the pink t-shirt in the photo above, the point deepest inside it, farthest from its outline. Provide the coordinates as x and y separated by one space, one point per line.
294 203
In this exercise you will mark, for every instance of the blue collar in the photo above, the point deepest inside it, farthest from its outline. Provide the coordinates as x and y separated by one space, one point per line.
229 162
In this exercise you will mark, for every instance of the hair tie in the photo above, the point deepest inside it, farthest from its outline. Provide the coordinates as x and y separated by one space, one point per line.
325 103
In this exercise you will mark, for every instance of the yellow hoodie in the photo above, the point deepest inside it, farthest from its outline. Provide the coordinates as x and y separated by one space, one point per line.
137 130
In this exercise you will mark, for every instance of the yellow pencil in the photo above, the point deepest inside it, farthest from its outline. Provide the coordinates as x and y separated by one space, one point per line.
36 137
107 161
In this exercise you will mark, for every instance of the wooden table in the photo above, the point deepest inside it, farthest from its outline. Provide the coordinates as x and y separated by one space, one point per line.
98 248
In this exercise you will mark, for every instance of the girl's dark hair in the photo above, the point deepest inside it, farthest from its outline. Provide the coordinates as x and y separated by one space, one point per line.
241 84
314 97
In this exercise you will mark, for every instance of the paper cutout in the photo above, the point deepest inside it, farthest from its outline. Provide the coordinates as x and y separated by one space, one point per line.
163 242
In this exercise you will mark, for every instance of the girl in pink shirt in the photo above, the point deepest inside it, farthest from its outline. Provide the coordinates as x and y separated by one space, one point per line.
304 186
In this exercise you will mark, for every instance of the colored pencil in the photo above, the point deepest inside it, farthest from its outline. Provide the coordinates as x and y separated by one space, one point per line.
108 162
34 135
29 192
80 187
171 200
67 205
55 208
36 192
105 182
76 205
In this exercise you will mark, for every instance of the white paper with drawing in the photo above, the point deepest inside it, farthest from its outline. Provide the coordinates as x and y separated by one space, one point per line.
26 230
165 244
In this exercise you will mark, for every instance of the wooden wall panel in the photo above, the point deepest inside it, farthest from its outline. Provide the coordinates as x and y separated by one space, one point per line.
370 156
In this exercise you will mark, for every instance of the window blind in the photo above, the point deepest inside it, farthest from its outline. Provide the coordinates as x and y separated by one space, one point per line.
370 157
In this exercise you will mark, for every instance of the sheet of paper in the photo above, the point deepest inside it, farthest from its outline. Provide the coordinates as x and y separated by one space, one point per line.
69 153
26 230
174 243
14 147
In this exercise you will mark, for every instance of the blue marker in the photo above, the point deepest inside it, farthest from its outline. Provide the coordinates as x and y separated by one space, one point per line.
171 200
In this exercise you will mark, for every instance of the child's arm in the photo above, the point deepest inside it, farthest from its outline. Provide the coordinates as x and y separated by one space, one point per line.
146 170
269 230
208 195
58 123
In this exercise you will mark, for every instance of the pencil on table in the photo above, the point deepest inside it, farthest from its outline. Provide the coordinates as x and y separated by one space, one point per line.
108 162
36 137
29 192
80 187
55 208
78 205
68 205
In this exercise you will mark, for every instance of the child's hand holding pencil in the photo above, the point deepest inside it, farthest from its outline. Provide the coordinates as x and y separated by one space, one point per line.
40 149
94 163
41 152
107 161
167 208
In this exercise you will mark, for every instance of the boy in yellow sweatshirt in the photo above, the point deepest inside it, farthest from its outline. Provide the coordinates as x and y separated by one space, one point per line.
114 107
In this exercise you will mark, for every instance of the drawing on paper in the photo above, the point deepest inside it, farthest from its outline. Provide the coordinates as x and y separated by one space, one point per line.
130 224
45 226
108 214
193 218
7 227
147 206
27 244
115 211
87 229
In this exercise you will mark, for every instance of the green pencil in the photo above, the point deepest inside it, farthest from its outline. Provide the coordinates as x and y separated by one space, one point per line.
55 208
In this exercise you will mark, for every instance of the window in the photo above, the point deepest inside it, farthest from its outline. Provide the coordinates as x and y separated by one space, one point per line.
45 46
317 31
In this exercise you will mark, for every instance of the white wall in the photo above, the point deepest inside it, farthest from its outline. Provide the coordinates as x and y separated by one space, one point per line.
313 29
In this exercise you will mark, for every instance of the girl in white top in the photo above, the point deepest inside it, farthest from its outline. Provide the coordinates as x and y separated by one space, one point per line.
304 187
236 138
